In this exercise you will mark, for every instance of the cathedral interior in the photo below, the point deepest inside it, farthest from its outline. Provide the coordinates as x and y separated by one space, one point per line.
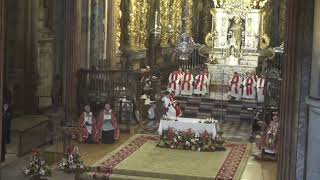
60 59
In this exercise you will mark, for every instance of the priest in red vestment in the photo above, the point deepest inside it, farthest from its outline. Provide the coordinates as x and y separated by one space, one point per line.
234 87
200 86
174 82
186 84
249 87
107 127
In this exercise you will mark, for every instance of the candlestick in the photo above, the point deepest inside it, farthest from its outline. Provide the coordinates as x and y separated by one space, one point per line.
156 20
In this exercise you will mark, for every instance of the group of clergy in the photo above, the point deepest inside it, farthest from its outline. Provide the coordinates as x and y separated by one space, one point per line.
103 128
251 87
184 83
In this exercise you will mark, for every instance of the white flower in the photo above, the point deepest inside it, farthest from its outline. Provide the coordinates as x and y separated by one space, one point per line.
26 171
179 137
42 172
197 134
175 140
187 143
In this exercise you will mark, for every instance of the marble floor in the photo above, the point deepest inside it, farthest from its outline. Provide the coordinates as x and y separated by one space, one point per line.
260 170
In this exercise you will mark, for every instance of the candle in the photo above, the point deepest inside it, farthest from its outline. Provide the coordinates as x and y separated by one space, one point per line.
156 20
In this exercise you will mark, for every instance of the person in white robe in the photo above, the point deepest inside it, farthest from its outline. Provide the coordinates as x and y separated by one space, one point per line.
200 84
260 88
169 108
208 75
249 87
235 91
174 81
186 83
180 74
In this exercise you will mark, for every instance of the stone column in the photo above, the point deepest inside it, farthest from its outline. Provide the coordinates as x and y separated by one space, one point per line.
296 82
313 158
2 56
72 57
97 31
111 48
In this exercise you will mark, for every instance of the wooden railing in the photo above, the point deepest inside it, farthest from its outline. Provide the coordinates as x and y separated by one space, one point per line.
105 85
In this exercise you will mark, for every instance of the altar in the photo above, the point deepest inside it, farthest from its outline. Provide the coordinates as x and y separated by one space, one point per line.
184 124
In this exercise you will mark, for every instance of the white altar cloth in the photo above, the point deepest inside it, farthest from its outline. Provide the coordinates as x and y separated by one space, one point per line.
183 124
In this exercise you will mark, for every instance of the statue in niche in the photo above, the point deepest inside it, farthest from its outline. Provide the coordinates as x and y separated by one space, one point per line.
236 31
232 60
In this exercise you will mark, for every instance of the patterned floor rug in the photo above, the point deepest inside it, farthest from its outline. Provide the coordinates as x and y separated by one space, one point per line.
139 158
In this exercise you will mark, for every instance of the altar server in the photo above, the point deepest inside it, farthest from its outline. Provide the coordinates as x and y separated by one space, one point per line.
234 87
107 127
260 88
86 126
200 87
186 83
174 81
249 84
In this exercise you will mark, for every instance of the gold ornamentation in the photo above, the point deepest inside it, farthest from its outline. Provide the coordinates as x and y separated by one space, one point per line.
209 39
170 20
165 13
118 27
138 23
264 41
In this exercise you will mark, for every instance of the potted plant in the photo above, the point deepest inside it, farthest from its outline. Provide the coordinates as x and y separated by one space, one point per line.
37 169
71 162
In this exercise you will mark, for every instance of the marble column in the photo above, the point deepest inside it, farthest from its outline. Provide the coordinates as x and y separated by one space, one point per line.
72 48
2 49
111 46
313 158
97 38
296 82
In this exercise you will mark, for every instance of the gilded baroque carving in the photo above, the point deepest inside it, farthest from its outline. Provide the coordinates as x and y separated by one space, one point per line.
176 19
118 26
138 23
165 13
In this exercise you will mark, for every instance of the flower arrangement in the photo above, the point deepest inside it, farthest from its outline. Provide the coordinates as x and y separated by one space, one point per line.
188 140
71 162
37 166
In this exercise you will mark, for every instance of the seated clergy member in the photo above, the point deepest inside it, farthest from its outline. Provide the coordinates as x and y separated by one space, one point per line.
235 91
206 73
270 138
87 126
254 76
180 74
174 80
249 84
107 126
186 83
200 87
260 88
